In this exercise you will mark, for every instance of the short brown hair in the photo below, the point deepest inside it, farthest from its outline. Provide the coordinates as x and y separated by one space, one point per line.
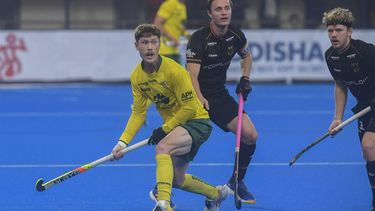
146 30
209 3
338 15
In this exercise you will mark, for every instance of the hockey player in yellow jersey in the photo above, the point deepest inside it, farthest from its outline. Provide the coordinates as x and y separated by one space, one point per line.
185 127
170 19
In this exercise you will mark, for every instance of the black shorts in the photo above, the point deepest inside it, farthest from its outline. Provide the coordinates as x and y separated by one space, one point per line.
223 109
366 123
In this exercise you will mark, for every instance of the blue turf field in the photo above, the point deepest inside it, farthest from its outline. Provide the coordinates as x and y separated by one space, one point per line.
48 130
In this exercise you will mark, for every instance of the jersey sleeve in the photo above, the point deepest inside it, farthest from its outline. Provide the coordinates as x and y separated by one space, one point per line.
194 49
184 91
368 53
138 115
243 48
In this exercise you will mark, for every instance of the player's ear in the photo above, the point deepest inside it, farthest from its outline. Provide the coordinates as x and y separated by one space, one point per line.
209 13
350 31
136 45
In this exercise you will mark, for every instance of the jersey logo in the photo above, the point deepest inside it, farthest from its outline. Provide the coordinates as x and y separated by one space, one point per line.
159 98
351 56
355 67
230 50
211 43
189 53
337 70
212 55
187 96
335 58
229 39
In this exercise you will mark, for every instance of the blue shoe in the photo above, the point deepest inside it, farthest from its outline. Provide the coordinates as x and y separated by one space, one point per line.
244 194
154 197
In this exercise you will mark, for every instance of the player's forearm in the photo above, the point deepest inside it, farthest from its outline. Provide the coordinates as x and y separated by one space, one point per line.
246 65
135 122
341 94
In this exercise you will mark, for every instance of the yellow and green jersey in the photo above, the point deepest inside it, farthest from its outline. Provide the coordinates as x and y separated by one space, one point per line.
171 90
175 15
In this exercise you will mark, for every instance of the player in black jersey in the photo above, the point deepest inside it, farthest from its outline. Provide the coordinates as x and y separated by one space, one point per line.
208 56
352 66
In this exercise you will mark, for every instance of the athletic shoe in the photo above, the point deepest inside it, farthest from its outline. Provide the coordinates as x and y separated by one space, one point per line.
214 204
154 197
243 193
162 205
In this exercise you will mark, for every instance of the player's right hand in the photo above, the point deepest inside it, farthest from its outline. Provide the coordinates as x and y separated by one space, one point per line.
332 126
204 103
116 151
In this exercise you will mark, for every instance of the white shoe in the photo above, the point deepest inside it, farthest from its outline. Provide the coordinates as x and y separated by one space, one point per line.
214 205
162 205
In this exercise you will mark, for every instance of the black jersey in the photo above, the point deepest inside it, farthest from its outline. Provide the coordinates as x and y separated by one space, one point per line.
355 68
214 55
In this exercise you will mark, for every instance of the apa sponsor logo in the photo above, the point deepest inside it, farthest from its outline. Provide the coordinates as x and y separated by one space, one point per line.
187 96
10 64
286 51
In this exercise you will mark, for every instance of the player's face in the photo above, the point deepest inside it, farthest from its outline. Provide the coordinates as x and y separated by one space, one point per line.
221 12
340 36
148 48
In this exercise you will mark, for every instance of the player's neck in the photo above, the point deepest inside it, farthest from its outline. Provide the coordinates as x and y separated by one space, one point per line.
151 67
217 30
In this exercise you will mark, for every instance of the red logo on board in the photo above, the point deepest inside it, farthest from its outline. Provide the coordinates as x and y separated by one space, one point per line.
10 65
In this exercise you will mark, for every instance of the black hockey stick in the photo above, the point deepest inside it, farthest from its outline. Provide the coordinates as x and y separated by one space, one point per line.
337 129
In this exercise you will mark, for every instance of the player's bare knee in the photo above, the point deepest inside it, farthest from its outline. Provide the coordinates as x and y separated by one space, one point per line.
250 138
368 145
162 148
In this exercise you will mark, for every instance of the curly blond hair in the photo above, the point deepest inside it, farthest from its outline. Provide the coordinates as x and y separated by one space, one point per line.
338 15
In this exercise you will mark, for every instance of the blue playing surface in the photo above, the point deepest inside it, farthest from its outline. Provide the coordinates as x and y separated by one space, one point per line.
48 130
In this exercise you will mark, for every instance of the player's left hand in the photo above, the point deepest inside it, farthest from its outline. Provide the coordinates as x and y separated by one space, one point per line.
244 87
157 135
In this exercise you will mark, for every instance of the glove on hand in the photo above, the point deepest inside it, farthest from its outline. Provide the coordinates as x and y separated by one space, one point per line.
244 87
157 135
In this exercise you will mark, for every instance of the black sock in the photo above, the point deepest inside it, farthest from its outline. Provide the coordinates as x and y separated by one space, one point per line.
370 166
245 156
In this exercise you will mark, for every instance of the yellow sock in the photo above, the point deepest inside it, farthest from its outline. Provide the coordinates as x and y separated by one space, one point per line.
164 176
196 185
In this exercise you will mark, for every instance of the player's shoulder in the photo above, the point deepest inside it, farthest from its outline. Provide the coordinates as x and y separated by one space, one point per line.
169 64
235 30
361 45
203 31
135 72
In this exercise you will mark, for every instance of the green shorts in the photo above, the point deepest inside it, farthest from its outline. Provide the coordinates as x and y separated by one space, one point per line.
199 130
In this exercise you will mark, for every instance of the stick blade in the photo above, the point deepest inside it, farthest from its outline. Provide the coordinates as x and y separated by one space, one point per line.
292 161
39 185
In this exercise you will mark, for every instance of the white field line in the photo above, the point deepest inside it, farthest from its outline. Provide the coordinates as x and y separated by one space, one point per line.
193 164
154 113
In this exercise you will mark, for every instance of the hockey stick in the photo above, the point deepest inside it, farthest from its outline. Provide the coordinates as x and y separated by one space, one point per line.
337 129
41 187
237 200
